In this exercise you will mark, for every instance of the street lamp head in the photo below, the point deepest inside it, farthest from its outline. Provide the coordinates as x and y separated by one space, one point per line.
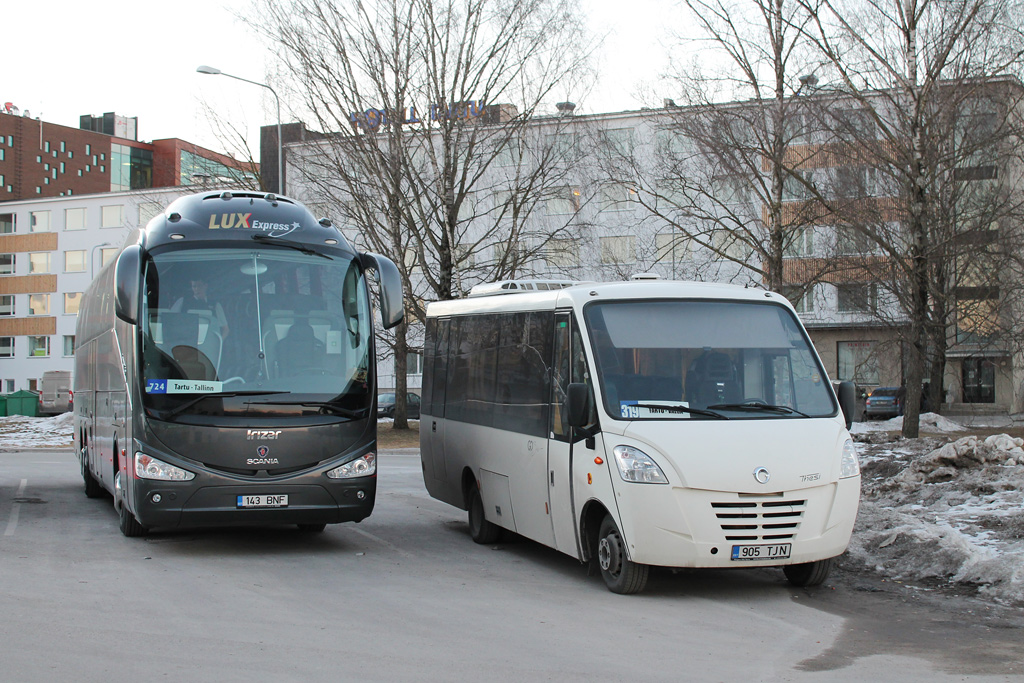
203 69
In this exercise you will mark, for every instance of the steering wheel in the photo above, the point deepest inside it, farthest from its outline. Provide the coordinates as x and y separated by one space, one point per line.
236 378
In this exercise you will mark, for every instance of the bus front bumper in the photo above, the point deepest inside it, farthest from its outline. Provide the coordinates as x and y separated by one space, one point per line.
205 502
678 527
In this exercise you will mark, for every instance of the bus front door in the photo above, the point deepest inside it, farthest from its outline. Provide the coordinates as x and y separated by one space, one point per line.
560 448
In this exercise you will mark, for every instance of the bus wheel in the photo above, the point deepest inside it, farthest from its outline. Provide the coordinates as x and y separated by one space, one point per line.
92 487
312 528
810 573
620 574
130 526
480 530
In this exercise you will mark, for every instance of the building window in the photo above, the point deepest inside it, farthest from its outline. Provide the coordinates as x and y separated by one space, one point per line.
618 249
800 242
858 362
74 261
857 298
63 146
6 347
74 219
617 197
69 345
562 253
46 147
6 264
6 223
798 186
6 304
40 221
107 255
38 346
9 384
564 200
801 298
88 150
39 262
414 363
38 304
728 244
111 216
72 300
849 241
673 247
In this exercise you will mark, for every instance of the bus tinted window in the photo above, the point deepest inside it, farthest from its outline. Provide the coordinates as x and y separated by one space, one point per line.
497 370
698 354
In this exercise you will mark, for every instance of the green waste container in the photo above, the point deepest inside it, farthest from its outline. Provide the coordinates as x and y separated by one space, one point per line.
23 403
3 406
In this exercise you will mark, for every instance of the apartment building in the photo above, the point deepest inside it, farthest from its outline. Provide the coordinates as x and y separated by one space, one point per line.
612 215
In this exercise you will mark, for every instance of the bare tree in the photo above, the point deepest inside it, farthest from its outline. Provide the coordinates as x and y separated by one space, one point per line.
733 179
430 109
921 72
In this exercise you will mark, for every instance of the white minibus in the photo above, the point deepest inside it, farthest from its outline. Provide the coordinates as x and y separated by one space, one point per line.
640 424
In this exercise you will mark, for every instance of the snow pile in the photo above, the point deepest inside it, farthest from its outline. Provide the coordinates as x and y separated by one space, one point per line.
952 514
17 432
932 423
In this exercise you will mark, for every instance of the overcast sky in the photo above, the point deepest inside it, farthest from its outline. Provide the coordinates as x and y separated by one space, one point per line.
139 59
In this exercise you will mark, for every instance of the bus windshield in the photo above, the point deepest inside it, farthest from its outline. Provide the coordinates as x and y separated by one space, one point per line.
249 331
705 360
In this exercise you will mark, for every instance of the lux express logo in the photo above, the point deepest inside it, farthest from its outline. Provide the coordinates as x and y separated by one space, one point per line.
226 221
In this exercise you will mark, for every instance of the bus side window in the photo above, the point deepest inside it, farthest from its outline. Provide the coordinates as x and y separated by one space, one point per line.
560 377
581 373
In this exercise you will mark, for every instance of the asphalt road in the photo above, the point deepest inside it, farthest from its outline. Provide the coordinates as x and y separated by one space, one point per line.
406 595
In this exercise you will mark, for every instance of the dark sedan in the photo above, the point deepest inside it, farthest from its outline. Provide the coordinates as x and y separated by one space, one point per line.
884 402
386 406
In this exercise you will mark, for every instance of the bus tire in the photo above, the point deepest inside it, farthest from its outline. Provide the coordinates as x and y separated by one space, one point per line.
129 525
311 528
620 574
92 487
810 573
480 530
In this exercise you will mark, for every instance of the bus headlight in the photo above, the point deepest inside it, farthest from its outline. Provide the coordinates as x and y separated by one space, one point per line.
637 467
360 467
148 467
849 466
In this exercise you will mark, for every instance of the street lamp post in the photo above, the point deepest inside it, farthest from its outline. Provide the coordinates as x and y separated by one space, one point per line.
92 258
203 69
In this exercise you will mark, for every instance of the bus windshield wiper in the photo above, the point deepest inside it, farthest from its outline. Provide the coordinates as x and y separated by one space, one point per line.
759 405
683 409
297 246
217 394
334 408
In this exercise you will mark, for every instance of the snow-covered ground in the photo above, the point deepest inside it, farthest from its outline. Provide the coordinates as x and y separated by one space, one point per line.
946 508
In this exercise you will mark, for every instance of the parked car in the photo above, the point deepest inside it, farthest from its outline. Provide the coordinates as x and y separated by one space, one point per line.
386 405
884 402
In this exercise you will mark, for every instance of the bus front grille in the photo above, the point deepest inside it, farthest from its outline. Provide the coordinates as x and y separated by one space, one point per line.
753 520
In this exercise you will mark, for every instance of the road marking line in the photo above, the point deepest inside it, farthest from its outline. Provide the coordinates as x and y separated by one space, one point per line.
12 523
384 543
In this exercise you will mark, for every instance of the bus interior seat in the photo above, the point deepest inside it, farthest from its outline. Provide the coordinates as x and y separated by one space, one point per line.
194 329
712 379
299 350
193 362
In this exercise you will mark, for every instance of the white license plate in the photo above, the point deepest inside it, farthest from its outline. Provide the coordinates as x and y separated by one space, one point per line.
276 500
776 551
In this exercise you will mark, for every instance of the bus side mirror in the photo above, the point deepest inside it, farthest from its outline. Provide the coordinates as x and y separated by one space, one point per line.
127 274
848 401
392 305
578 405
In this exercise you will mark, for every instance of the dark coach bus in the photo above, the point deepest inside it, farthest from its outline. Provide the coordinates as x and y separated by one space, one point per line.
225 372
